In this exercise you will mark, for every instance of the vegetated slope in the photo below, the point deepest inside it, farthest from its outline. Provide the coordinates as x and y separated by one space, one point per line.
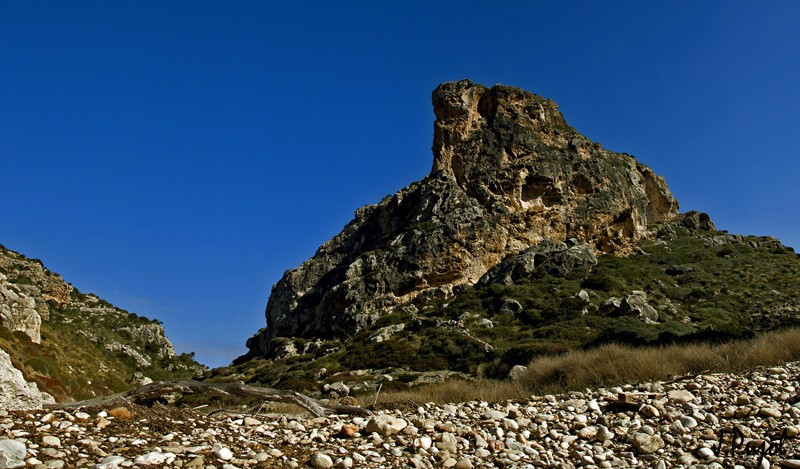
526 239
75 345
703 285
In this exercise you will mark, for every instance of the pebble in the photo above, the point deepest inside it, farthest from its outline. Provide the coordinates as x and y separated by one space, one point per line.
672 425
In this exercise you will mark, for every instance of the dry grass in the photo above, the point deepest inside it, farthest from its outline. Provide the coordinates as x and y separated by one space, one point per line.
122 413
451 391
613 364
610 365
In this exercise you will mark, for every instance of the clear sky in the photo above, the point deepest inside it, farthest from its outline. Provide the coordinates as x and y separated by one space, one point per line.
177 157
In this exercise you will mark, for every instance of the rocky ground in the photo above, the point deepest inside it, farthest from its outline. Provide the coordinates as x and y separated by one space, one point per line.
691 422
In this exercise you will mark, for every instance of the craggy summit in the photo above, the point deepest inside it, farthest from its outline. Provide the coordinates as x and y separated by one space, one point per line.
508 174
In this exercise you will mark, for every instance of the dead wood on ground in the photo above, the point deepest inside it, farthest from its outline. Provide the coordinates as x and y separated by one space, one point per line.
149 393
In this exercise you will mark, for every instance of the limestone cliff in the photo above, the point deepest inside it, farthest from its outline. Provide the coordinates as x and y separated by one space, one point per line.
508 173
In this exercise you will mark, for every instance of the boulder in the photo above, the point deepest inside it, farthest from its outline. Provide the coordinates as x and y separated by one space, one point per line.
561 260
634 304
517 372
12 453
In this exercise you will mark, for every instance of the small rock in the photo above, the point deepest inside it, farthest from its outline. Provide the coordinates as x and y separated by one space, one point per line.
604 434
199 461
321 460
223 453
50 440
423 442
113 459
155 458
448 443
680 396
340 388
705 453
688 422
517 372
348 430
647 444
649 411
770 412
385 425
491 414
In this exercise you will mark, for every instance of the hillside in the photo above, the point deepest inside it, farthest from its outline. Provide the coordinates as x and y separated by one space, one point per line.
75 345
526 239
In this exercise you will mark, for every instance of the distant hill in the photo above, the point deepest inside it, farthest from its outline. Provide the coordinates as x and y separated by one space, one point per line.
527 238
75 345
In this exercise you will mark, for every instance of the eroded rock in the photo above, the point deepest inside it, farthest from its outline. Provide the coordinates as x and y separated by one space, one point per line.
508 174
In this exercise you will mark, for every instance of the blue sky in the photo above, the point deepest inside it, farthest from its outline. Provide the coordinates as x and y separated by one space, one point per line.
177 157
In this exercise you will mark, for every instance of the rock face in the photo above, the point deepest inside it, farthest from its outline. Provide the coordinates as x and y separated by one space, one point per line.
23 304
15 392
508 174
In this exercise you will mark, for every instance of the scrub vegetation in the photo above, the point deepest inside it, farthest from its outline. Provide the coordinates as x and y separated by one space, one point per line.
711 290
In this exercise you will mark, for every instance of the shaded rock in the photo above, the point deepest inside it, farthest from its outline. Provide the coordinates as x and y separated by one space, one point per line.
634 304
695 220
511 306
677 270
560 260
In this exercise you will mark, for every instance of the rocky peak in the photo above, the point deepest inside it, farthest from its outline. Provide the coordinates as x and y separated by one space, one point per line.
513 151
508 173
464 111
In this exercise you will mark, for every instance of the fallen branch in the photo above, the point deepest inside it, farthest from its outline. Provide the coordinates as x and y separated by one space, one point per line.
685 377
152 392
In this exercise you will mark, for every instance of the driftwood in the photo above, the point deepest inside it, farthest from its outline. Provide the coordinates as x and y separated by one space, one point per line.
152 392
